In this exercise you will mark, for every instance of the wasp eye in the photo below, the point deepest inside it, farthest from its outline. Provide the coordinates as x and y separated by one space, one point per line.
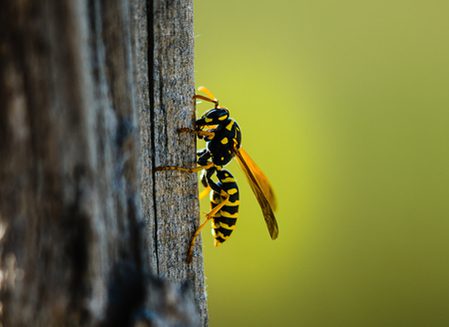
214 116
217 114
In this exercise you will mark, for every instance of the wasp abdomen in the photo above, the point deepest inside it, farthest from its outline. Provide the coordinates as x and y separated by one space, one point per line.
223 222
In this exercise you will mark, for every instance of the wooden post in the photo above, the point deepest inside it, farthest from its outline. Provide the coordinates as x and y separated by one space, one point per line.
170 198
91 95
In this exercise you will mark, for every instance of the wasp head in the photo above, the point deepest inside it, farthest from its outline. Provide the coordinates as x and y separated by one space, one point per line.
214 116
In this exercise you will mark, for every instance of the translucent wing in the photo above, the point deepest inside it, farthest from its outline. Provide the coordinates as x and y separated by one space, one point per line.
261 188
261 179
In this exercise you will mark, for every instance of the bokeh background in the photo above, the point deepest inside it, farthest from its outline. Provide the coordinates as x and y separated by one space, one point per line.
345 106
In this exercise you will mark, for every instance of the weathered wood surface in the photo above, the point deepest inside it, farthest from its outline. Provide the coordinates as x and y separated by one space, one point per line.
171 196
91 95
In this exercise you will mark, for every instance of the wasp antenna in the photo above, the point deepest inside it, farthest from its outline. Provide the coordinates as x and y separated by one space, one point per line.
206 91
202 97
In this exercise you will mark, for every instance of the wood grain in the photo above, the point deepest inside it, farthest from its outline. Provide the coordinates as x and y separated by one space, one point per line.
92 93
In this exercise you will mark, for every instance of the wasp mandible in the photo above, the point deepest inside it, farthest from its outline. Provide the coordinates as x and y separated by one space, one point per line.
223 142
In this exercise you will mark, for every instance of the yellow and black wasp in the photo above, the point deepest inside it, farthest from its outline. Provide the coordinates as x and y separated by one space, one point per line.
223 142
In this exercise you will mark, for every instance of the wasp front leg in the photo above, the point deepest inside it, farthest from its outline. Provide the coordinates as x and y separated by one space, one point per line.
208 135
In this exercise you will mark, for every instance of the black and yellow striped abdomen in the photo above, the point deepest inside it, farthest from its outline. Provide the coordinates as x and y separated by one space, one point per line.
223 222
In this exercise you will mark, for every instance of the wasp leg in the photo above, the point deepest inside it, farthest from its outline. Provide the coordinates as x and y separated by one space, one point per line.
205 178
216 209
184 169
204 192
201 134
203 163
209 216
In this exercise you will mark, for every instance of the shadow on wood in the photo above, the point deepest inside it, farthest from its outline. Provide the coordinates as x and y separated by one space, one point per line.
92 94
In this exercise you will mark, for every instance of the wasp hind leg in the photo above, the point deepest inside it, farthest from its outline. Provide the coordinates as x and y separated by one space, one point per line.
209 216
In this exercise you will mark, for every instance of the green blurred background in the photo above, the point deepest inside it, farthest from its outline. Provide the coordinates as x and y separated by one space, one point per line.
345 106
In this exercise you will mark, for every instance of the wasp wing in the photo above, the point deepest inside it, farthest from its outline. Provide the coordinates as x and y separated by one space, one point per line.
261 178
261 188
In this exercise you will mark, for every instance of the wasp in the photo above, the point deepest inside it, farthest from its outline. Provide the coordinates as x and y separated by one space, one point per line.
223 139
